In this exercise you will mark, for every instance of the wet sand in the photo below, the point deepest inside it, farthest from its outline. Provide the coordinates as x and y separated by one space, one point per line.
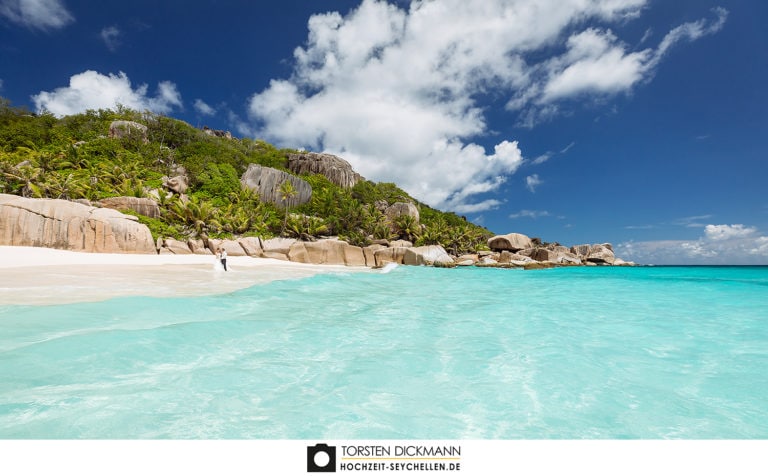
40 276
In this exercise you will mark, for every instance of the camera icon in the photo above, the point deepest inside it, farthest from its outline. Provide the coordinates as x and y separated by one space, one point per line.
321 458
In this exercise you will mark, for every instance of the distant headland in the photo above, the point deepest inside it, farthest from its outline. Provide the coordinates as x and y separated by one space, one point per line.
128 182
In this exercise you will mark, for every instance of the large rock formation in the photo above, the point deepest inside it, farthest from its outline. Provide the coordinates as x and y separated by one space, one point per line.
581 250
175 247
388 255
252 246
266 182
177 184
335 169
432 255
601 254
327 252
510 242
398 209
143 206
217 133
277 248
122 129
232 247
70 226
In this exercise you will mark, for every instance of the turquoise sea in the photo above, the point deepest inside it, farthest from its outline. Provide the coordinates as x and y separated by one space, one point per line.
595 353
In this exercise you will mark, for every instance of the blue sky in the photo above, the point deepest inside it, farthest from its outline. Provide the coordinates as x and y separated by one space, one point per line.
637 122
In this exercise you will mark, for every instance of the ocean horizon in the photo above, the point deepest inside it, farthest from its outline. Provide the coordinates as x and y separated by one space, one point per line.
650 352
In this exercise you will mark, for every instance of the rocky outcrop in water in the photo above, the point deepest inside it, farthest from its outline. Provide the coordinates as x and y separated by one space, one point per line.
517 250
266 182
601 254
335 169
432 255
61 224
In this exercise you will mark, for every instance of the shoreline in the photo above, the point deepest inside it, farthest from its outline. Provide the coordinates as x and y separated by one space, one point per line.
43 276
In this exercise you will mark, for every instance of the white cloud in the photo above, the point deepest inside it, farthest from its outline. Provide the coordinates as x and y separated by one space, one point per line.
727 232
111 37
489 204
203 109
594 63
529 214
639 227
92 90
38 14
394 90
761 247
568 147
533 181
720 244
692 31
692 222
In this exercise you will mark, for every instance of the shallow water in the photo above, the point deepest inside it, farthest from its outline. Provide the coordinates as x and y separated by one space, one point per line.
666 352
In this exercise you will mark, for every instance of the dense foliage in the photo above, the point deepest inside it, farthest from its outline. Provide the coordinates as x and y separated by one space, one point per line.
73 158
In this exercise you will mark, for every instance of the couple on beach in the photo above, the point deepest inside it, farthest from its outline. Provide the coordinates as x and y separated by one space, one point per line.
221 254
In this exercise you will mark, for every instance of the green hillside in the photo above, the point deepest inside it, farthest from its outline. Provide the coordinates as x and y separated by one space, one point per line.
71 158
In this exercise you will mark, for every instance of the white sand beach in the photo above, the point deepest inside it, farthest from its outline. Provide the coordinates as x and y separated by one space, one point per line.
40 276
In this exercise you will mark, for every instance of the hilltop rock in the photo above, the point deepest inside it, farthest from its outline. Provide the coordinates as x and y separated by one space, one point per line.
61 224
143 206
510 242
217 133
122 129
398 209
178 184
266 181
335 169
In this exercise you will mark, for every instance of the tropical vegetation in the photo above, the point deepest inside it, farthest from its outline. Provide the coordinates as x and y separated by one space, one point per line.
71 158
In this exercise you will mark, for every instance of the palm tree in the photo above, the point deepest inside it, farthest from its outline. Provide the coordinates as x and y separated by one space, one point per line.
408 227
287 191
28 179
200 215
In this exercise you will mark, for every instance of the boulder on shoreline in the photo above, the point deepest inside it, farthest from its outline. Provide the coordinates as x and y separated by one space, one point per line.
432 255
510 242
331 251
66 225
69 225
